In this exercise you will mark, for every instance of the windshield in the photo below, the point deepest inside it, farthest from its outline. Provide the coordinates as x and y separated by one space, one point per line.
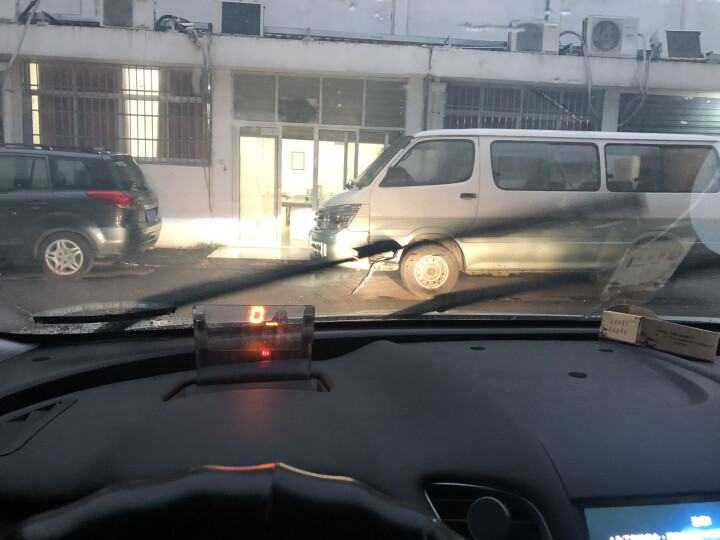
368 175
550 159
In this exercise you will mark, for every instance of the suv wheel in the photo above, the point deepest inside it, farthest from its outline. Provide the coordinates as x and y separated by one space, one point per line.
66 255
428 270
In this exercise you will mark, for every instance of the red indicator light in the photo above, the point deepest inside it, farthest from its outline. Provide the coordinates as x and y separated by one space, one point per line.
265 353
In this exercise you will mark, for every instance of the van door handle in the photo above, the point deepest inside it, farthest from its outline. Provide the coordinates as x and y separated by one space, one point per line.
468 195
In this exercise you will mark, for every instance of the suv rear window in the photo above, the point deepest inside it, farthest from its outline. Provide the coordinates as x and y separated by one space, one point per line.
131 176
71 174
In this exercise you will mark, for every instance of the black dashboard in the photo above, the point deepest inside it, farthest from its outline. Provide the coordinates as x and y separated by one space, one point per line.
548 418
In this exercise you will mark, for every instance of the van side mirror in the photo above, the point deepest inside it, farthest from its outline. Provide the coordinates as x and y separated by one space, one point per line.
396 176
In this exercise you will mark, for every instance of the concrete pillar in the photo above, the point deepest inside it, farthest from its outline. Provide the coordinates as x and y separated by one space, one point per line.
611 110
414 106
223 152
12 97
436 105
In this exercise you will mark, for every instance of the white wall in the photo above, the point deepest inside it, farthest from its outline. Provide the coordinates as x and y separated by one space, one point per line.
185 209
460 18
363 16
83 8
224 149
468 19
323 57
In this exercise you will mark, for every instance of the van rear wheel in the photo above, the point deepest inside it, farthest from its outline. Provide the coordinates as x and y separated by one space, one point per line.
428 270
66 255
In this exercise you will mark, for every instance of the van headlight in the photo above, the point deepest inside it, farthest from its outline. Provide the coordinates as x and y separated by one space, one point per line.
336 217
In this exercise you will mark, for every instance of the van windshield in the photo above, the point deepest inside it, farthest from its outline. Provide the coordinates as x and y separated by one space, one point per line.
130 174
368 175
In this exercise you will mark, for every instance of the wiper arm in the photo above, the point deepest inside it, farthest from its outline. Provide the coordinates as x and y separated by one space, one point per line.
207 291
103 312
457 299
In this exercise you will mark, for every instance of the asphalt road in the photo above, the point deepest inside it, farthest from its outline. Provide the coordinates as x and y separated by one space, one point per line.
25 290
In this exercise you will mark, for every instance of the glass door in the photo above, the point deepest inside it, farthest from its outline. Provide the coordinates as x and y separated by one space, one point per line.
258 191
337 161
296 181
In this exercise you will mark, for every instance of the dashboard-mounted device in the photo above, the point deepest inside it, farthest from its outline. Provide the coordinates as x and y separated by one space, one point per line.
680 521
252 343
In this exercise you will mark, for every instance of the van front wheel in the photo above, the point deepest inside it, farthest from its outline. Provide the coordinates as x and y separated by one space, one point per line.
428 270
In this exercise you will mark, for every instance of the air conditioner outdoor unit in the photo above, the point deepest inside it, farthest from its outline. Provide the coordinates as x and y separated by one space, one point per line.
534 36
611 36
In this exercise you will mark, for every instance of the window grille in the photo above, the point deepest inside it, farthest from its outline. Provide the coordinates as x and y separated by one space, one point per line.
154 114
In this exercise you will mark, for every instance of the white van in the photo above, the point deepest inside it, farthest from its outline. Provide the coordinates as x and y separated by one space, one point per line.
505 201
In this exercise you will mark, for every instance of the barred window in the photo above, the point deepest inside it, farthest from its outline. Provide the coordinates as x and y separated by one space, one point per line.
512 107
154 114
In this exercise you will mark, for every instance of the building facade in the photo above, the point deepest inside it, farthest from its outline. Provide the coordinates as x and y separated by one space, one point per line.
244 116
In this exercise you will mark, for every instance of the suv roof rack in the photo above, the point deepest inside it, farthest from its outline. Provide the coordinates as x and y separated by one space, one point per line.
32 146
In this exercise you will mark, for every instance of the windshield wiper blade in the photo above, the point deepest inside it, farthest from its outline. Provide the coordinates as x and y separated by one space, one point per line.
187 295
458 299
103 312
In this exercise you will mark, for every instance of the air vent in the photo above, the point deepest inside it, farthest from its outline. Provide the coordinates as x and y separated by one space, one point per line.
451 503
16 430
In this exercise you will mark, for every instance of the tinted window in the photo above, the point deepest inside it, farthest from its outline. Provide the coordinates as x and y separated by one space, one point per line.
342 102
298 99
433 163
81 174
131 176
661 168
545 166
23 172
254 97
384 103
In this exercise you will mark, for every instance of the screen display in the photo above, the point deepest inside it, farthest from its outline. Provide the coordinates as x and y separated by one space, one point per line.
688 521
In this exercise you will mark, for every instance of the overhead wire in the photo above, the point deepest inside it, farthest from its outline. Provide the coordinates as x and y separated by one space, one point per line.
588 75
643 84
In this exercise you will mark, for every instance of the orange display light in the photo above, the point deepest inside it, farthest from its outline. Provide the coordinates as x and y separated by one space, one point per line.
256 314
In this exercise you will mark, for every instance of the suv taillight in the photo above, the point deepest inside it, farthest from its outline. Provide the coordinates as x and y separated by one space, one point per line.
121 199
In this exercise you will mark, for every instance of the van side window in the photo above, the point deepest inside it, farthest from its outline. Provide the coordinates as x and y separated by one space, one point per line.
545 166
71 174
23 172
433 163
652 168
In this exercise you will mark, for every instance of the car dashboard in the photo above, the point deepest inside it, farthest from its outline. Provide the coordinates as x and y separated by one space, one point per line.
547 419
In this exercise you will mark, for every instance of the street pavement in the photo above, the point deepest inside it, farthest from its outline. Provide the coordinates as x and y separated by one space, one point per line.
24 290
